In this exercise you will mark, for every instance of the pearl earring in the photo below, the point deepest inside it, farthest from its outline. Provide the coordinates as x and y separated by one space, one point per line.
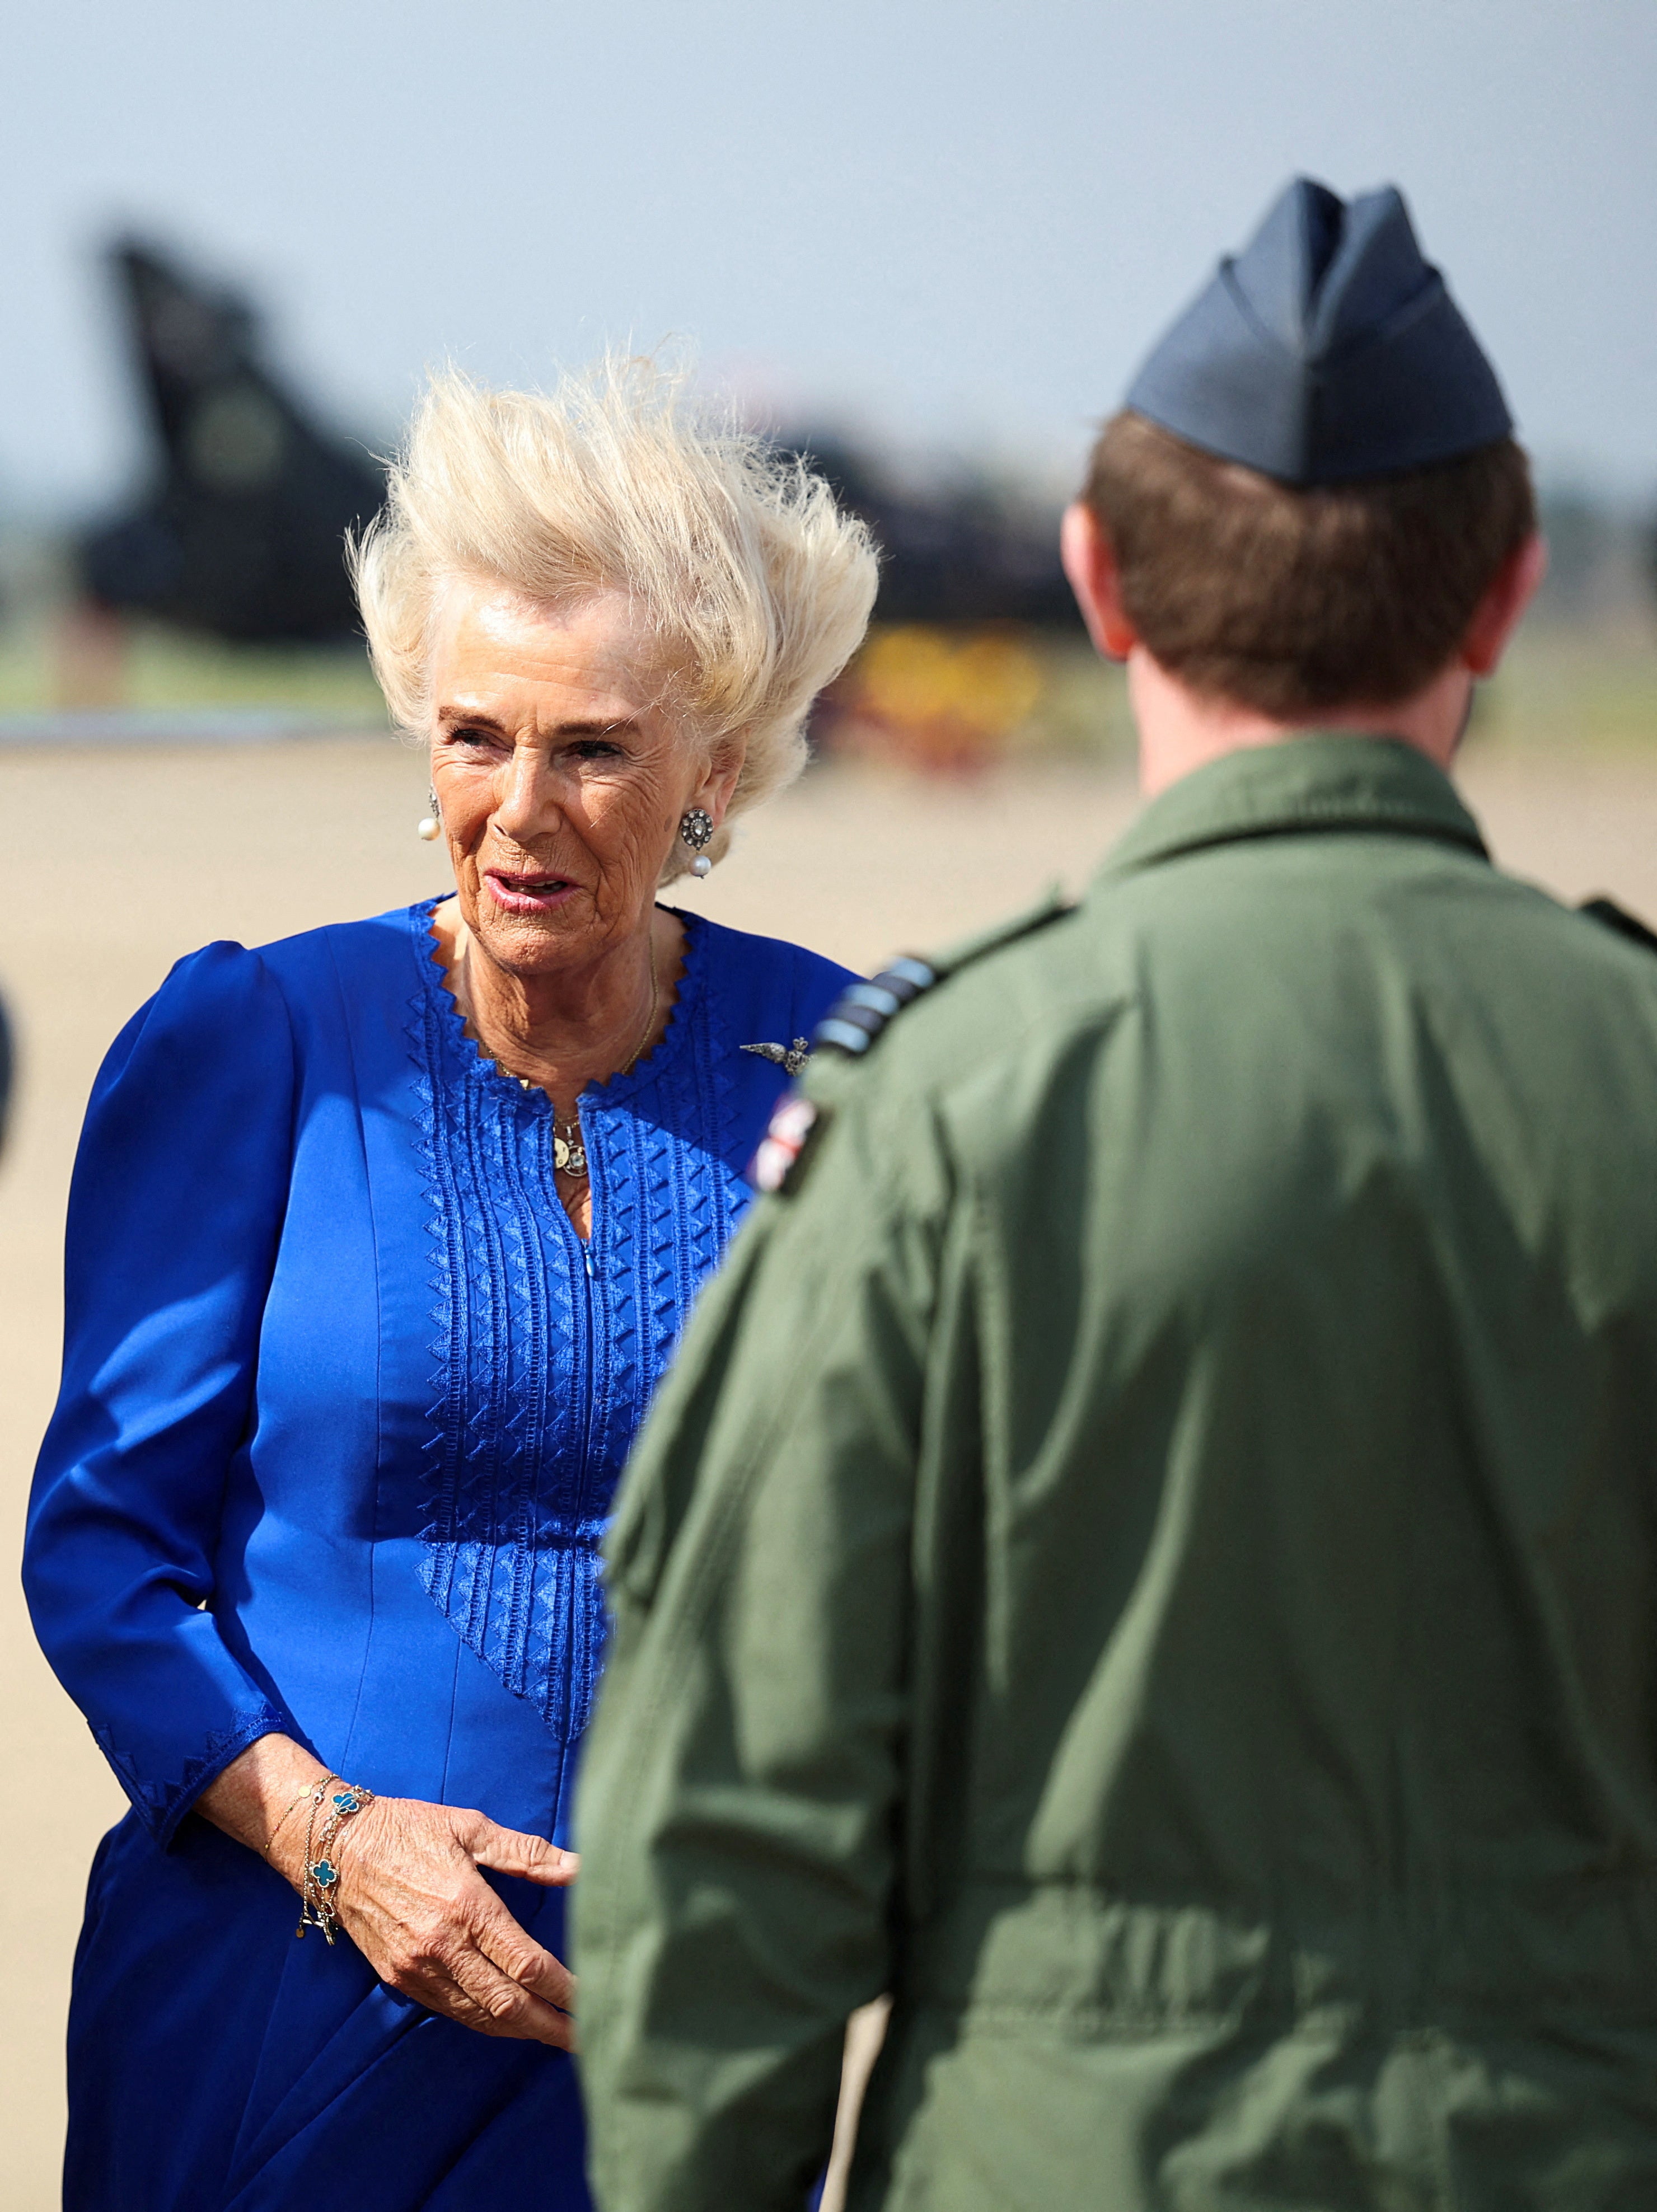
695 828
433 824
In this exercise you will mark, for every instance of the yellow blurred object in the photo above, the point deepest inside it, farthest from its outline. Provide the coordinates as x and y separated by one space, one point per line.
937 700
904 675
999 684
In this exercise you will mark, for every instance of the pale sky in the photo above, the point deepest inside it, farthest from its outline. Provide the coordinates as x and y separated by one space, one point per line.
959 222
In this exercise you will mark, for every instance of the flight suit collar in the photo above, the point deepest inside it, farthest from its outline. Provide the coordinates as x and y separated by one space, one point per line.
1319 780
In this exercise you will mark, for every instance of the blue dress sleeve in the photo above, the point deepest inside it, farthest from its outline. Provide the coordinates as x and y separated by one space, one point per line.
174 1213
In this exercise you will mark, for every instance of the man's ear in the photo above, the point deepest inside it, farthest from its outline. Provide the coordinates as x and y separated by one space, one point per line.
1500 610
1089 560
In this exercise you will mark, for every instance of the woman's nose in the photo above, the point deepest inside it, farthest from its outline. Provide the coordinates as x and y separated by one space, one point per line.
527 804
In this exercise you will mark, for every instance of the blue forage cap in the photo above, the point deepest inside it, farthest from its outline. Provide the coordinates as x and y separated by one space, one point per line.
1327 350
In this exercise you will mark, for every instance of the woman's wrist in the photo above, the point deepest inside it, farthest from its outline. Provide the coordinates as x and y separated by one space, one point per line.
256 1793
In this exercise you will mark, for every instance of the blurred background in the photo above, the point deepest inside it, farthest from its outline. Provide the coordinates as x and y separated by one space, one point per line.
926 243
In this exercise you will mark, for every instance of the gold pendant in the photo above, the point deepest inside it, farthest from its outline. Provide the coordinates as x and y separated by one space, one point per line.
569 1157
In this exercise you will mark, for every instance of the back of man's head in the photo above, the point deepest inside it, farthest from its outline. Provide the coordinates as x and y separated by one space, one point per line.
1294 601
1314 484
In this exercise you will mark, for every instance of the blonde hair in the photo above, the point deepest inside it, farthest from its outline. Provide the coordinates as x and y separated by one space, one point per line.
756 586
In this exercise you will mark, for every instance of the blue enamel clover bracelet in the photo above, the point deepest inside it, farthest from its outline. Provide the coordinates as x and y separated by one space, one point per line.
321 1876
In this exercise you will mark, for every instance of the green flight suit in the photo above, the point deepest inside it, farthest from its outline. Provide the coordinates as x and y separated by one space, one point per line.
1149 1553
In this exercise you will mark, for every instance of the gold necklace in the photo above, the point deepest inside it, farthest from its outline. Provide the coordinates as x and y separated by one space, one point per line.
569 1151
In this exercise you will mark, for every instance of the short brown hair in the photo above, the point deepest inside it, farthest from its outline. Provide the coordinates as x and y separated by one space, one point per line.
1291 601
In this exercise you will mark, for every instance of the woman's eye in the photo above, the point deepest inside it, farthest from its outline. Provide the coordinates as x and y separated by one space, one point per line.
596 749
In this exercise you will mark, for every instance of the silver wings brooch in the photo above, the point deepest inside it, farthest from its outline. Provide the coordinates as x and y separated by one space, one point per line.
791 1058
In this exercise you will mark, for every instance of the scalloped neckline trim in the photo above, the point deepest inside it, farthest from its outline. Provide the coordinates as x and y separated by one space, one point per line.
624 1082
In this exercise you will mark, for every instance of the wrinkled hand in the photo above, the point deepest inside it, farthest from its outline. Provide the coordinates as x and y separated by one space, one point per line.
410 1895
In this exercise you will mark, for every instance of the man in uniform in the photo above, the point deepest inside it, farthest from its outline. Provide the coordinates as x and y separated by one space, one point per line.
1149 1554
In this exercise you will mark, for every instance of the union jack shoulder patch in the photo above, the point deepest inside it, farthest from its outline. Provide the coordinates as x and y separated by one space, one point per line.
784 1142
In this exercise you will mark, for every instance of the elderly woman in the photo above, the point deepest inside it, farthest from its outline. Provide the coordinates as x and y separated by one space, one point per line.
380 1238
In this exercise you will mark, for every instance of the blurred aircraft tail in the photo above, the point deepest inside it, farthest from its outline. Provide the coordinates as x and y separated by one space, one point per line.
243 532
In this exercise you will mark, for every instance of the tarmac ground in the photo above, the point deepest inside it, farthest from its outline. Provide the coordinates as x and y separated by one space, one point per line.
118 862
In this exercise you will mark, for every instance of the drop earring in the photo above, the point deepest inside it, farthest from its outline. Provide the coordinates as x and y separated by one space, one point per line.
695 828
433 823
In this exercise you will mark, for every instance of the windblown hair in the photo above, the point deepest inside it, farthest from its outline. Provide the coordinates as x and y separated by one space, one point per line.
1292 601
755 587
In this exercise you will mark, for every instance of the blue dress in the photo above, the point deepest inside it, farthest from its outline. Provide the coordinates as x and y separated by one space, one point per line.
344 1402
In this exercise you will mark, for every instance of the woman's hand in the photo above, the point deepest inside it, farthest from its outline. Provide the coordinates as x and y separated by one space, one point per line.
410 1895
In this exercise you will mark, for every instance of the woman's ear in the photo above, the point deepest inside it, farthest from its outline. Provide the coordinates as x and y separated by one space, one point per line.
1089 560
724 767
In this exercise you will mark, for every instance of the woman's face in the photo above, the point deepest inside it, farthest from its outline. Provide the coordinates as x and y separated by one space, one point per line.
561 775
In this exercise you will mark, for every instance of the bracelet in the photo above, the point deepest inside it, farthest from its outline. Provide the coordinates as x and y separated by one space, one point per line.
321 1875
313 1791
